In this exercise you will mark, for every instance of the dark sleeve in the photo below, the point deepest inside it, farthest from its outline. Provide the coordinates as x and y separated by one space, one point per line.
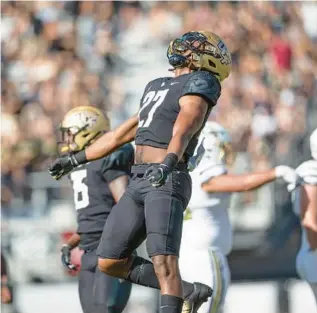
204 84
146 89
155 82
118 163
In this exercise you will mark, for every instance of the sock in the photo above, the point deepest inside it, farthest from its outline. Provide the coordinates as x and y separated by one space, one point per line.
142 273
171 304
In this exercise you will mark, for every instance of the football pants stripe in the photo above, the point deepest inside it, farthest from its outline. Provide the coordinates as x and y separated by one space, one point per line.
218 283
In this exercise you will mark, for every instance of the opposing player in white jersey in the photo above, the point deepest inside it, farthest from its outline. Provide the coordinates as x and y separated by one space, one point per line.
207 235
305 206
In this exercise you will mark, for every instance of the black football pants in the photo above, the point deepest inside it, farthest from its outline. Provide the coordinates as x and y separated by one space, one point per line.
98 292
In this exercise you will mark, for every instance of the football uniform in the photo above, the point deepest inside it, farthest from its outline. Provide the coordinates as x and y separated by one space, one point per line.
207 236
145 211
93 200
306 261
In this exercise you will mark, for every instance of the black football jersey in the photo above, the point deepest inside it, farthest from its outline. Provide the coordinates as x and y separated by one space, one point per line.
92 196
159 107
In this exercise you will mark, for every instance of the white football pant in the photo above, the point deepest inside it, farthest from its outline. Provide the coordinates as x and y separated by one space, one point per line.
306 265
208 267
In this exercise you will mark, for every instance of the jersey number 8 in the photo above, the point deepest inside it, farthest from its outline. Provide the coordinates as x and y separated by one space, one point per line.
158 97
81 197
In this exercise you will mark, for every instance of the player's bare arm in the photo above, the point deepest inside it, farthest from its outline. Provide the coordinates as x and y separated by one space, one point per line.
239 183
113 139
118 187
73 241
189 121
103 146
248 181
193 110
309 213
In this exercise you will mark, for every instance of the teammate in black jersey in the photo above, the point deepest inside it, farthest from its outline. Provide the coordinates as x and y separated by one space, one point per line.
172 113
97 187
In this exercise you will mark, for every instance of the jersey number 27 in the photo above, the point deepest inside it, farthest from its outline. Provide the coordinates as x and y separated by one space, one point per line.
155 98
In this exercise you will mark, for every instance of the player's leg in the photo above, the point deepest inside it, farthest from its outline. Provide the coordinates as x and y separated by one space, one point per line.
123 232
218 278
313 287
86 281
210 268
306 267
110 294
164 209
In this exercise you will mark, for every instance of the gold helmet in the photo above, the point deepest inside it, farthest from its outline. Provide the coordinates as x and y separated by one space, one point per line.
217 144
201 50
80 127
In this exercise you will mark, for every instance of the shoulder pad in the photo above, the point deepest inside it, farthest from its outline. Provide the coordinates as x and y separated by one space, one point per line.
150 84
308 172
122 158
203 84
157 81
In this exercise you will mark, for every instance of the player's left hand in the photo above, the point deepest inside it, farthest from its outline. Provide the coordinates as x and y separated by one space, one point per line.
66 258
61 167
157 174
287 173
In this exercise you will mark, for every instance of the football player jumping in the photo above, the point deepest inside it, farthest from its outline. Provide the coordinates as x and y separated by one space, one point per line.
173 110
97 187
207 234
305 206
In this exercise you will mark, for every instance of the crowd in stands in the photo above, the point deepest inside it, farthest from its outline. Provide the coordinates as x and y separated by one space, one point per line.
60 54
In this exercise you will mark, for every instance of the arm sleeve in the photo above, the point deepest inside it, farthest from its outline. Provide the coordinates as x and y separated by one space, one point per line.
118 163
203 84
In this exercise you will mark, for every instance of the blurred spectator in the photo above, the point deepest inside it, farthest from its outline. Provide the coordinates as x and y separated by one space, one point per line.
57 55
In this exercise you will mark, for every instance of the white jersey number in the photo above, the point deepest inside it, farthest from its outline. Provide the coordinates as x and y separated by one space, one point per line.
158 97
81 197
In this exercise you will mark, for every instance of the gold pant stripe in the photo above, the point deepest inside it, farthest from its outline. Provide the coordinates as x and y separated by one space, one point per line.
217 283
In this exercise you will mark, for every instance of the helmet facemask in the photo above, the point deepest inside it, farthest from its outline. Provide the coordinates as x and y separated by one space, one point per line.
184 50
201 50
74 139
81 127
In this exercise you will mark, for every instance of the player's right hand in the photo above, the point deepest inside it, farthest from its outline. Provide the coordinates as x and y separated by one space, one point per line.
61 167
287 173
156 174
66 258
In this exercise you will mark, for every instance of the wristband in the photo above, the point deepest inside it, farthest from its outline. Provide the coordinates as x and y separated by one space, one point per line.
78 158
170 161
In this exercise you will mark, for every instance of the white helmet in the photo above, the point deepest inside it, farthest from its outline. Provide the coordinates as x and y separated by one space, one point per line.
313 144
216 142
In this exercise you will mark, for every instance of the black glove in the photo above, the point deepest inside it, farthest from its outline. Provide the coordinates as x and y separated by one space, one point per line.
66 258
64 165
61 166
158 173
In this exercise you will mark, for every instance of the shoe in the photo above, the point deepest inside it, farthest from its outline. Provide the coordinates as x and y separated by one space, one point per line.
200 295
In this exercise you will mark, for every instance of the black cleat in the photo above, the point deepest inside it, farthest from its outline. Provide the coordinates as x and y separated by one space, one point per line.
200 295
